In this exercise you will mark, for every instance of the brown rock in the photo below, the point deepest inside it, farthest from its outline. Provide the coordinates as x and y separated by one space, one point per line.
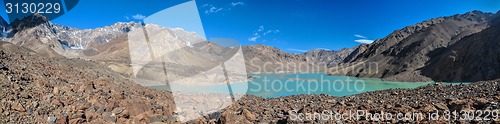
441 106
76 121
17 87
108 117
140 117
249 115
62 119
118 110
56 90
388 106
124 114
91 115
81 105
18 107
56 102
428 108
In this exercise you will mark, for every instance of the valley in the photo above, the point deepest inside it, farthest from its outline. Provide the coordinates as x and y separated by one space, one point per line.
58 74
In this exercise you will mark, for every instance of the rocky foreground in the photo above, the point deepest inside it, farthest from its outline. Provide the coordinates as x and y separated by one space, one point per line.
483 96
37 89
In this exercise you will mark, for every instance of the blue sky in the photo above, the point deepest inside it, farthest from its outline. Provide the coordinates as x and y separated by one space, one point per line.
291 25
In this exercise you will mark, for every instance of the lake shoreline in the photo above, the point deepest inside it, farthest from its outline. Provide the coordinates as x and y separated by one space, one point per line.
426 100
277 85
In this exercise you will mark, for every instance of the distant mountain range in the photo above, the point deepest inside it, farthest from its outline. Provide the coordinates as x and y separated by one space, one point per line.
109 44
462 47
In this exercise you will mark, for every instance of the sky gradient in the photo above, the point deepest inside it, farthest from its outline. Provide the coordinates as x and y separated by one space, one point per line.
291 25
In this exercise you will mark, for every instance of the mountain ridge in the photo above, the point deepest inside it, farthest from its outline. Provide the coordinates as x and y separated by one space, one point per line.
402 54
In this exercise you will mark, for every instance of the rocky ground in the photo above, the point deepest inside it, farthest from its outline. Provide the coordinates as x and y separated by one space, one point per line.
36 89
427 99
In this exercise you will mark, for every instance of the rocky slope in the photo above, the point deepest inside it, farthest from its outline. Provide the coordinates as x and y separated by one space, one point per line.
37 89
473 58
404 53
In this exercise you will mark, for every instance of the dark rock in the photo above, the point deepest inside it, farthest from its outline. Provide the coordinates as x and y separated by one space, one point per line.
3 67
150 96
215 116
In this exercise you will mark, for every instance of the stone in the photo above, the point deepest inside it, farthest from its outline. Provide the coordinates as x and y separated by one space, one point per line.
118 110
18 107
56 90
108 117
82 106
428 108
51 119
480 103
76 121
441 106
2 67
459 105
215 116
388 106
249 115
56 102
61 119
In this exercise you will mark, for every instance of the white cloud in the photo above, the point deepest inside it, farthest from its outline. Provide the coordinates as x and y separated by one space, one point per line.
297 50
211 9
262 33
271 31
364 41
360 36
254 38
261 28
138 16
237 3
126 17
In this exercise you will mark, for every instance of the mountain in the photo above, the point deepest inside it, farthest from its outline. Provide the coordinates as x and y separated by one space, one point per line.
110 46
409 53
328 57
267 59
4 27
62 40
473 58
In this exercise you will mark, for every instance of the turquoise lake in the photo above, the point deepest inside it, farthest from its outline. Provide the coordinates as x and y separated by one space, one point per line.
277 85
